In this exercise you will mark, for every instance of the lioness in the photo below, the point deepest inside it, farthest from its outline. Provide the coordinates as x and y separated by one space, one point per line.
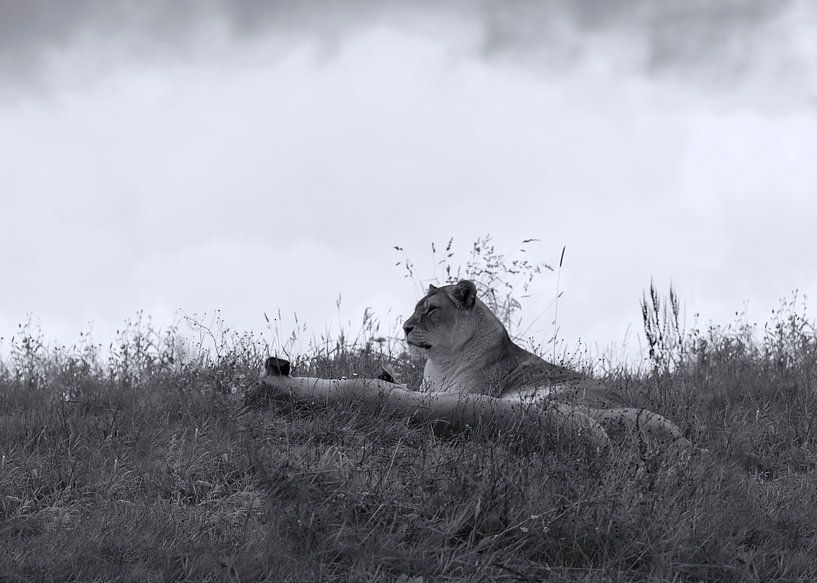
474 373
468 350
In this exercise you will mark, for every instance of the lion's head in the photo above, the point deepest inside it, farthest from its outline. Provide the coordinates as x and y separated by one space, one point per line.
448 319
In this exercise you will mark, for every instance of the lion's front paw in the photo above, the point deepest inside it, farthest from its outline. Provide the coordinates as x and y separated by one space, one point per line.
277 367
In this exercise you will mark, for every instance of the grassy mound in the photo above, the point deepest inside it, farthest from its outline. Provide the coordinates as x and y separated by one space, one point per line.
143 466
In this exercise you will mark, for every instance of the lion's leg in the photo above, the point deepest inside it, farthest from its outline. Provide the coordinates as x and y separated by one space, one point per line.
620 422
459 410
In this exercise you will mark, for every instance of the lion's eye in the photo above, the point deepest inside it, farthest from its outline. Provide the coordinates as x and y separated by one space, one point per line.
431 309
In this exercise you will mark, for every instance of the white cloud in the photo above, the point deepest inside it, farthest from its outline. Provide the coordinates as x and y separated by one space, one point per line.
259 180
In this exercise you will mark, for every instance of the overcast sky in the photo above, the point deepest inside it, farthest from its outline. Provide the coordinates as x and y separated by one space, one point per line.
253 156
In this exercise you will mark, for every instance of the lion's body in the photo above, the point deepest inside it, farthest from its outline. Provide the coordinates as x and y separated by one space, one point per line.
475 373
468 350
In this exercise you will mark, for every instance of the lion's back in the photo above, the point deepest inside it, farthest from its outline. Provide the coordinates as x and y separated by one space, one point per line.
534 377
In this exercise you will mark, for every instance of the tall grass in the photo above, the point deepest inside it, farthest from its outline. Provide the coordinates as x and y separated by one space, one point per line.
139 463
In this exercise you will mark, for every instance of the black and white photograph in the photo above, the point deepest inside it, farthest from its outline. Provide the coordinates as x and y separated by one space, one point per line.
408 291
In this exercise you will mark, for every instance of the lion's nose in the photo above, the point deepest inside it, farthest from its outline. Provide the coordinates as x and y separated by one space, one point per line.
407 328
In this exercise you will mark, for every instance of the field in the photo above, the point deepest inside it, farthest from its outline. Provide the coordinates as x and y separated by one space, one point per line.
146 466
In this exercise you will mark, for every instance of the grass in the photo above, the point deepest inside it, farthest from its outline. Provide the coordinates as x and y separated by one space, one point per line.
143 467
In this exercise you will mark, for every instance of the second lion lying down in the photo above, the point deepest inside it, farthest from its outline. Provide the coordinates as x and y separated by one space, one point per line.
475 373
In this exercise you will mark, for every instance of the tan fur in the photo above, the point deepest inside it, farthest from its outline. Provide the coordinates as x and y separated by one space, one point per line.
475 374
469 351
444 410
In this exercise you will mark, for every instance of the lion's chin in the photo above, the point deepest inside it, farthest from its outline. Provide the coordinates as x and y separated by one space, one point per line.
419 348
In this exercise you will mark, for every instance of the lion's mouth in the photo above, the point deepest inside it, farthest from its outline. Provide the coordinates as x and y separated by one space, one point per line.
423 345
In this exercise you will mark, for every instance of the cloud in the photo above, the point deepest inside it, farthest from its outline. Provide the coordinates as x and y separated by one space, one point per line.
706 42
255 185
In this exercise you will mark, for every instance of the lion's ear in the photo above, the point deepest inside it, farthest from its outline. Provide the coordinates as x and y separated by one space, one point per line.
465 293
432 288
